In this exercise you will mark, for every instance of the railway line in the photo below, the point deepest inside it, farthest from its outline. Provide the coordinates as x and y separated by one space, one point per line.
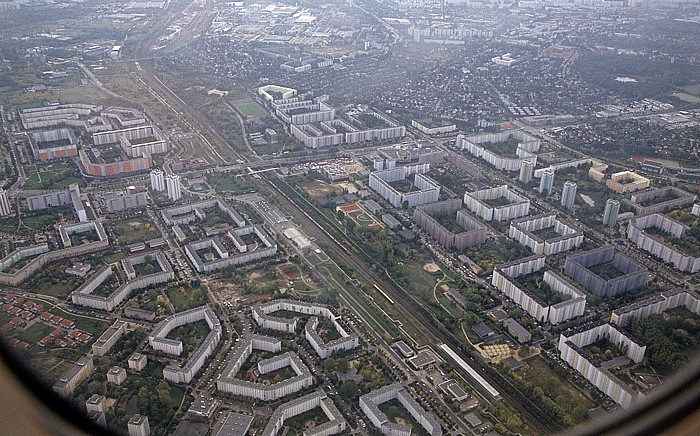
410 309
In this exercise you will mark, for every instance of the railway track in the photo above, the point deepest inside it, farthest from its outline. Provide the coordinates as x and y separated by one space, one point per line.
410 309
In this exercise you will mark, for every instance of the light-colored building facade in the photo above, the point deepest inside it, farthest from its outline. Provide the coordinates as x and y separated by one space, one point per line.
527 169
570 345
625 182
525 150
655 305
476 202
474 232
105 342
428 190
157 180
634 275
652 244
83 296
159 341
81 370
172 182
266 392
116 375
45 256
504 280
138 426
568 194
369 403
546 183
137 362
268 249
524 230
612 209
336 422
681 198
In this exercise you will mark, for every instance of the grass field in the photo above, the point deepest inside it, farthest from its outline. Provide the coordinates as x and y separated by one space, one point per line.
36 332
90 325
134 230
692 89
232 184
686 97
46 217
248 107
185 297
555 385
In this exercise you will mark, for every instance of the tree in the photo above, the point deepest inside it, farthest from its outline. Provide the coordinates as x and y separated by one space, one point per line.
329 364
342 365
349 390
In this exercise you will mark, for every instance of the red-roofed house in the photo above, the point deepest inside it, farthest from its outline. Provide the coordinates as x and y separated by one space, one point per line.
27 315
6 307
56 319
24 345
45 316
13 341
37 308
18 301
84 337
56 333
67 323
6 327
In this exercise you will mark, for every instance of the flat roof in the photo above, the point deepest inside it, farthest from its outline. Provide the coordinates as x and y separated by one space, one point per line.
235 424
422 359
